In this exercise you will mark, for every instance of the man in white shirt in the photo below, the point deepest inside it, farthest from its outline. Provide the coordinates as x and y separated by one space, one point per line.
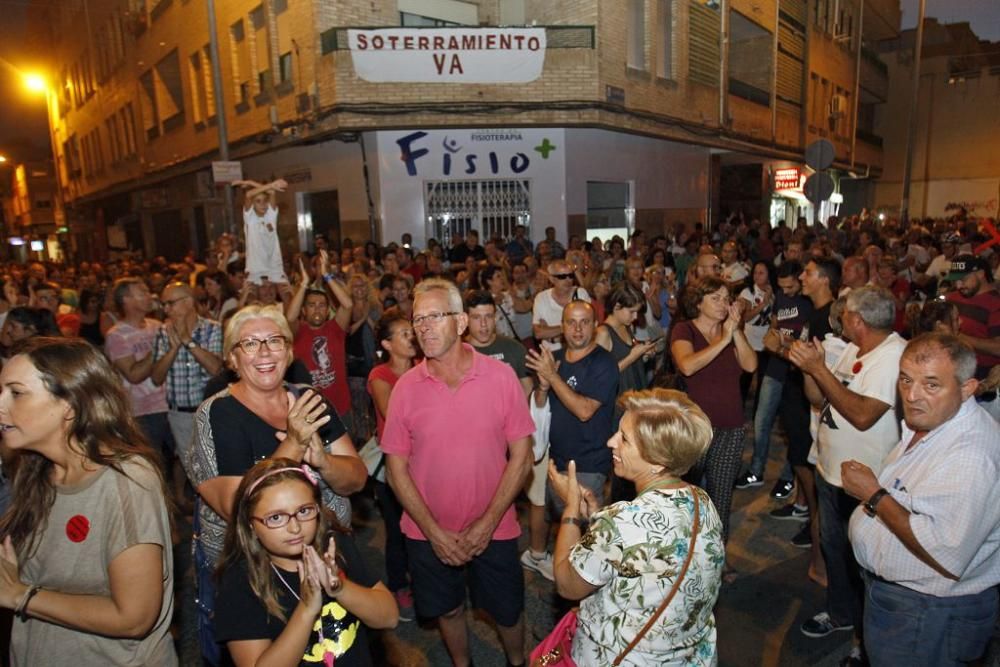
856 396
547 311
928 533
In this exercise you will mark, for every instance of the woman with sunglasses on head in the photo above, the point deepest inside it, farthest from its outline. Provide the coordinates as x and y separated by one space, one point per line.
293 588
258 417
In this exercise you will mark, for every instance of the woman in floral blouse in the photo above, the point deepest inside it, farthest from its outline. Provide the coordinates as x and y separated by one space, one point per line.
626 562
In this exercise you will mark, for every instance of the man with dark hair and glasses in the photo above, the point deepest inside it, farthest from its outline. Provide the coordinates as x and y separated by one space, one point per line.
457 484
547 312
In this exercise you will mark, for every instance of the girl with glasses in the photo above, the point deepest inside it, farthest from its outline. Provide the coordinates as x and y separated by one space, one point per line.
293 588
258 417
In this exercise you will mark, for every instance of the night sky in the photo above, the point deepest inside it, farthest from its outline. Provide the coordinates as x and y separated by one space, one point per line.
983 15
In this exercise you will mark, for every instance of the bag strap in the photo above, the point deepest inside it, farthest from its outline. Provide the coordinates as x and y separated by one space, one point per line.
673 589
507 317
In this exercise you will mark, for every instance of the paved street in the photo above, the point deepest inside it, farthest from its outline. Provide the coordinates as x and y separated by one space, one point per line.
758 614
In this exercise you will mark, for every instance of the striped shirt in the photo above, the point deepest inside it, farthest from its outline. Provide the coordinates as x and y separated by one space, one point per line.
980 318
948 483
186 378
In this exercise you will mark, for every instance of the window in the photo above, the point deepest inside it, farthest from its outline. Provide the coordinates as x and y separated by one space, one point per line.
704 52
111 127
636 34
240 62
439 13
278 6
261 49
169 91
285 67
750 49
666 69
408 20
200 78
147 98
129 128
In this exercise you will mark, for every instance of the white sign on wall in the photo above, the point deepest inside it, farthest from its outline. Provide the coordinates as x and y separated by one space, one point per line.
409 158
448 55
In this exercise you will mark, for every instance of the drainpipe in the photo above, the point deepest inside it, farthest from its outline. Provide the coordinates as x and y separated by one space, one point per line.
724 65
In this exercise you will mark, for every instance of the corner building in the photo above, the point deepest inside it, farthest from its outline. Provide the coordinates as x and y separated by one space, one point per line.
638 113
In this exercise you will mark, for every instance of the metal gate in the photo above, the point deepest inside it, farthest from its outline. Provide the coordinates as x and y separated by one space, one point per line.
492 208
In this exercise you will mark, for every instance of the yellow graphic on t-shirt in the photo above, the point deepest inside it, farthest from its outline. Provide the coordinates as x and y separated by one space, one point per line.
338 634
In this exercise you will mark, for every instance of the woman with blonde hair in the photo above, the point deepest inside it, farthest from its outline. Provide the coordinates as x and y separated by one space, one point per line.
86 561
654 562
259 417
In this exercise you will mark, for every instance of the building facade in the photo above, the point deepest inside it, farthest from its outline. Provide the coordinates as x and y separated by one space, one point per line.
955 113
623 114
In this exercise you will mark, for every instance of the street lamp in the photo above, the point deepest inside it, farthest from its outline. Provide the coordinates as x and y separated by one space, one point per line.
35 83
2 159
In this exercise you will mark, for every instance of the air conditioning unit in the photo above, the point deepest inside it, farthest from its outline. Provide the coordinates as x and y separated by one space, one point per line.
838 106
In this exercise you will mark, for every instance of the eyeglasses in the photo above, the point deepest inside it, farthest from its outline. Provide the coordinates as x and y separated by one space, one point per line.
171 302
280 519
251 346
560 276
432 318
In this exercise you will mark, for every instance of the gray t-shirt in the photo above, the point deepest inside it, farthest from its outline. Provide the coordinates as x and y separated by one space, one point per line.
89 525
509 351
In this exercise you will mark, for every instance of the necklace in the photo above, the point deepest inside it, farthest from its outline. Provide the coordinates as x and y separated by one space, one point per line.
328 656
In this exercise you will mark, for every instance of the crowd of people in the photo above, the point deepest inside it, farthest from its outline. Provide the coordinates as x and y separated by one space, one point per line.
614 384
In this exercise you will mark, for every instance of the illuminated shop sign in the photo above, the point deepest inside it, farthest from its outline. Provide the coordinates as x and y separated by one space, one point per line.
787 179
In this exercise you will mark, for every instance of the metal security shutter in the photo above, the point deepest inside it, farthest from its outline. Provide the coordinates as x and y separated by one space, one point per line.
703 50
491 207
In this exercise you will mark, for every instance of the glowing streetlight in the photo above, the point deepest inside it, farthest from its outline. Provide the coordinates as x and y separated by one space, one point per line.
3 159
35 83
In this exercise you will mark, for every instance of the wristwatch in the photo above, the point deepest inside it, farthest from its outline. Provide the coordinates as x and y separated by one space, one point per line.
190 344
869 506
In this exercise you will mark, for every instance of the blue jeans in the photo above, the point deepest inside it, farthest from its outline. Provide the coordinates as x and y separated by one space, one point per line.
904 627
768 400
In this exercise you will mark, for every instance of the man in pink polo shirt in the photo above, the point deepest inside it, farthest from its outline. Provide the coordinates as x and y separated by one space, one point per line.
458 444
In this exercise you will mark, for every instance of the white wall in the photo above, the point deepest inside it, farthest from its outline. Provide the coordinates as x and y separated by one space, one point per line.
401 205
666 174
332 165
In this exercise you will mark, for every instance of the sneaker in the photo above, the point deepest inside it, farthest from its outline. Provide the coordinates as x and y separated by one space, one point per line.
542 566
404 600
821 625
749 480
803 538
790 512
782 489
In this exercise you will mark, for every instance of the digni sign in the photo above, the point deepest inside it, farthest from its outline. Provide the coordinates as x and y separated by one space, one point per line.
448 55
